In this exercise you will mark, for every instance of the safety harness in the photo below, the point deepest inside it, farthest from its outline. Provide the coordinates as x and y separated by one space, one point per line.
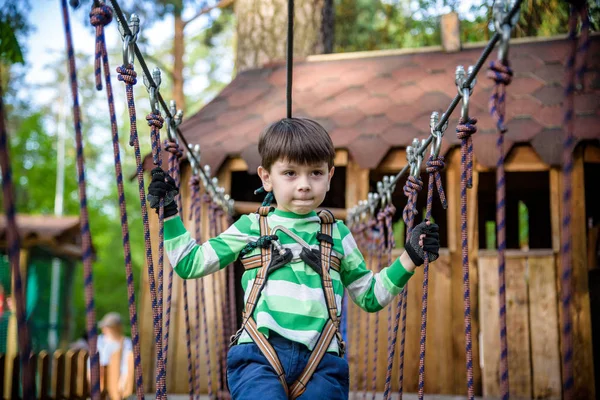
274 256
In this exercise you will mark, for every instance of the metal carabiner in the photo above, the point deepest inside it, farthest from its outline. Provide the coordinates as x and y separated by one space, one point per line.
381 194
418 156
464 90
501 10
437 134
371 202
387 184
130 39
194 158
174 121
153 90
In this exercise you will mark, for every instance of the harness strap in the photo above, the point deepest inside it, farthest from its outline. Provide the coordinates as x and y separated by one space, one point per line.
255 261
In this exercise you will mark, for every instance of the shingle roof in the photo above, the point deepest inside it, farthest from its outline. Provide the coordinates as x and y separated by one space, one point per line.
381 100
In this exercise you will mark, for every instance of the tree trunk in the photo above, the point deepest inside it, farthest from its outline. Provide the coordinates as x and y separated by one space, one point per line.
262 28
328 27
178 50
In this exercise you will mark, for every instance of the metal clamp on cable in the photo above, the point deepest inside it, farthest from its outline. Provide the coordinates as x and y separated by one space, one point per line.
437 134
464 90
153 89
174 122
501 11
129 40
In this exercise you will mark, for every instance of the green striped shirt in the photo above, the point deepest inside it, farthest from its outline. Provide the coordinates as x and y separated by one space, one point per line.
292 302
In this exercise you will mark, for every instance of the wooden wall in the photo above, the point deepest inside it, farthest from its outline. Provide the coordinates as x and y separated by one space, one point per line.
532 294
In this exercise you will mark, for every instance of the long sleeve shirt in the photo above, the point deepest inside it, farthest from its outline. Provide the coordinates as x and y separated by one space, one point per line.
292 302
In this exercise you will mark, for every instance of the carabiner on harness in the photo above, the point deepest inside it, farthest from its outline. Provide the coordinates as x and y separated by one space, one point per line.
310 256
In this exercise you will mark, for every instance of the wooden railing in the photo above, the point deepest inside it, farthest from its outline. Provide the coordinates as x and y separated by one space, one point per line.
62 375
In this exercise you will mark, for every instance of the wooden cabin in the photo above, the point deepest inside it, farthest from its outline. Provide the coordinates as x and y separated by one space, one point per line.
373 104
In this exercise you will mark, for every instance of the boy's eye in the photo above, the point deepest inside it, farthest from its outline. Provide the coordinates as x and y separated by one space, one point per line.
289 173
318 172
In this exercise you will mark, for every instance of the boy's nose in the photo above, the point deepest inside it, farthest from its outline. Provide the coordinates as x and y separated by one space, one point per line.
303 185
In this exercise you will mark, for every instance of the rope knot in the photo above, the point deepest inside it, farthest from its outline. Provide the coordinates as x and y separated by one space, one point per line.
155 120
173 148
501 73
194 182
101 16
464 132
465 129
127 74
411 189
434 166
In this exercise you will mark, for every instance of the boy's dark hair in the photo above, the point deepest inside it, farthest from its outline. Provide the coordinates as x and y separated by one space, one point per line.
298 140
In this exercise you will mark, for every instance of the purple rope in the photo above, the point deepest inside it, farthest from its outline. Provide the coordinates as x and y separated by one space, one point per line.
502 76
205 200
571 73
99 17
380 250
174 157
14 247
389 212
86 241
434 166
225 310
155 121
188 340
464 131
371 255
411 189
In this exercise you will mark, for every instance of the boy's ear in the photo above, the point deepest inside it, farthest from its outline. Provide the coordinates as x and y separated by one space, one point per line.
265 177
331 171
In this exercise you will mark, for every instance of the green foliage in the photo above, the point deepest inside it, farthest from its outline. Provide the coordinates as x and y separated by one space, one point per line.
13 28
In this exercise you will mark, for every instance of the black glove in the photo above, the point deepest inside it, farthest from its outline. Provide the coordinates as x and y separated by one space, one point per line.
431 243
162 187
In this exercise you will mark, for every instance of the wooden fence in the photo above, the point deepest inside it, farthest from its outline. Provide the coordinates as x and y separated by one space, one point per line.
62 375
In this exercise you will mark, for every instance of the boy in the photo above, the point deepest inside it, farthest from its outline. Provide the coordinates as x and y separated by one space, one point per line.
295 274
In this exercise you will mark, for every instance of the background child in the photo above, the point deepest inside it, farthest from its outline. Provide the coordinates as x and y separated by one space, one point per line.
291 311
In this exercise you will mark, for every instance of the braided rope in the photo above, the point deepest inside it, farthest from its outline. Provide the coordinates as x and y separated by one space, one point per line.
99 17
86 241
411 189
502 76
434 166
225 309
464 131
155 121
380 247
389 211
213 233
205 200
371 255
174 158
188 340
14 247
568 147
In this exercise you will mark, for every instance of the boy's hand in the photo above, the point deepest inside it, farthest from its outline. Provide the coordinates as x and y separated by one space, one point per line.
162 186
424 237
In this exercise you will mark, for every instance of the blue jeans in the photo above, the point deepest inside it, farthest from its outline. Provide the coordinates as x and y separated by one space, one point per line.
251 377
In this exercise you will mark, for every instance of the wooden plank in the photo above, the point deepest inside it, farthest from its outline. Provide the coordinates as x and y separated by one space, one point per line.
438 356
490 325
44 375
555 205
357 183
583 363
473 243
84 389
517 316
592 257
394 161
341 158
70 373
58 374
413 332
543 319
591 153
522 158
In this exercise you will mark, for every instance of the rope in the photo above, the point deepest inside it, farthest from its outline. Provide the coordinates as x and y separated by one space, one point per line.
174 157
371 256
225 310
99 17
434 166
213 232
380 252
502 76
568 147
389 210
411 189
188 340
14 247
205 200
290 57
464 131
86 241
155 121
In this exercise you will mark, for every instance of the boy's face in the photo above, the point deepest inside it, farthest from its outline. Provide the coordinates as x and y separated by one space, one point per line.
297 188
